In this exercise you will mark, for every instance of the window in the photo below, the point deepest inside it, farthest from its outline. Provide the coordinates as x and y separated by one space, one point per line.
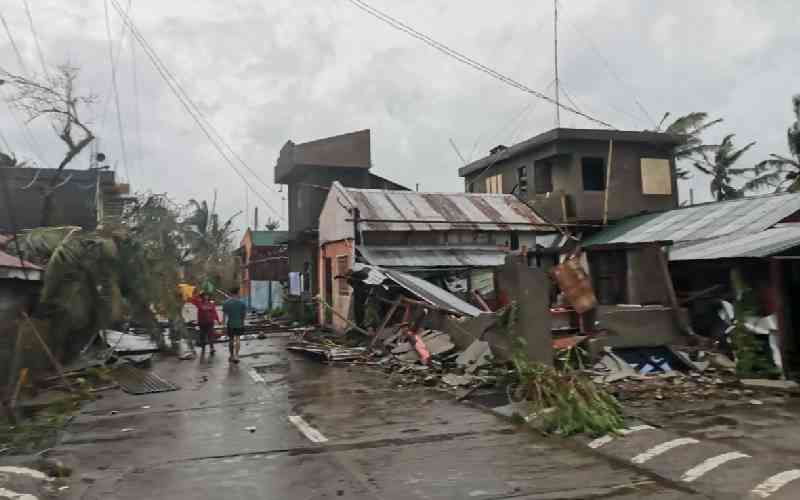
656 176
494 184
594 174
514 241
609 271
522 180
543 177
471 187
342 267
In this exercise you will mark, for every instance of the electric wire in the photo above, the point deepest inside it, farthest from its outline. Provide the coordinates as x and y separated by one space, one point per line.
399 25
137 111
120 128
198 111
189 106
36 39
611 69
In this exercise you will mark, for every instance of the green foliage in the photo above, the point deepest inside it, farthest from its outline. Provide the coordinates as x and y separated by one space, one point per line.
691 126
753 360
721 168
565 400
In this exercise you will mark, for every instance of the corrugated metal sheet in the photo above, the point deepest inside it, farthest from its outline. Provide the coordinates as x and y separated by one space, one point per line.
384 210
702 222
762 244
421 288
433 256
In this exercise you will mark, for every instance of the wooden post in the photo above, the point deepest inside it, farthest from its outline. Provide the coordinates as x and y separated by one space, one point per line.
385 322
673 297
608 180
49 353
350 323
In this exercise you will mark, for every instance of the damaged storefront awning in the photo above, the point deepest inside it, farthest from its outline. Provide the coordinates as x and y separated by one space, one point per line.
426 257
422 289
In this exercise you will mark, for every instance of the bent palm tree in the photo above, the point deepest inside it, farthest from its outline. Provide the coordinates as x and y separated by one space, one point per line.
690 126
721 169
779 171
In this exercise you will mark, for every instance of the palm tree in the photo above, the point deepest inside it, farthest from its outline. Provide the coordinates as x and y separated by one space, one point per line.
721 169
691 126
779 171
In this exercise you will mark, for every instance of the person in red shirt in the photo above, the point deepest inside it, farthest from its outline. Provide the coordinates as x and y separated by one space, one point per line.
206 318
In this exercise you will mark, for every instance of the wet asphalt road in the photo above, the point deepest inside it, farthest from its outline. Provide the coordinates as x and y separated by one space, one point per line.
228 435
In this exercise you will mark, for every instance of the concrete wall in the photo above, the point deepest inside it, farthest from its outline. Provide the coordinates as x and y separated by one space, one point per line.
306 199
639 327
339 302
625 197
530 288
333 223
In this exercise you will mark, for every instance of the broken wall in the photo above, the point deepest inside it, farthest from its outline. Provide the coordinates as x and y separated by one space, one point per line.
647 326
530 289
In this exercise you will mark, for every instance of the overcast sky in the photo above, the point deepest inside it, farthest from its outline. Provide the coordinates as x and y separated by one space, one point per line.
264 72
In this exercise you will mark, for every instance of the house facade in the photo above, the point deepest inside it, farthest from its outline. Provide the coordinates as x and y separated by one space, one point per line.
454 240
265 268
308 170
567 176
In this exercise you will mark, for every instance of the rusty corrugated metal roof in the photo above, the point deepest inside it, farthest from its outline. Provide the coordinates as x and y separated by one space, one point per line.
385 210
7 260
440 256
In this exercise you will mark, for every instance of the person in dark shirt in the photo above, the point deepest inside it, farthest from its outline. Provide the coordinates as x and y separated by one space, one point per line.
234 310
206 317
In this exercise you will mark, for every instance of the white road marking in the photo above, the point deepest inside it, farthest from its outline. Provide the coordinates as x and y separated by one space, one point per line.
662 448
16 496
8 469
311 433
255 376
774 483
602 441
710 464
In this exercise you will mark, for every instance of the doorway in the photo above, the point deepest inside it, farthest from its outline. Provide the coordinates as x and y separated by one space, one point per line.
328 290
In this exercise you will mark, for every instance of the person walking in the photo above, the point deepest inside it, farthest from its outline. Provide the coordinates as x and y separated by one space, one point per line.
206 318
233 311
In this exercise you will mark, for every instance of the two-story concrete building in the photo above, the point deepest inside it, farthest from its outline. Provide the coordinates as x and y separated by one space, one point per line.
567 175
308 170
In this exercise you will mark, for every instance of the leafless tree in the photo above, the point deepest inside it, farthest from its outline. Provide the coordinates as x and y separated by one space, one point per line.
57 100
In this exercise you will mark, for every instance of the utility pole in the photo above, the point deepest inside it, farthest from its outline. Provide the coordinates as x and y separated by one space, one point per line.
555 59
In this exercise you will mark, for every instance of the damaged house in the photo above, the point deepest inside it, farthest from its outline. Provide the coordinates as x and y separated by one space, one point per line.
265 268
308 169
455 241
659 275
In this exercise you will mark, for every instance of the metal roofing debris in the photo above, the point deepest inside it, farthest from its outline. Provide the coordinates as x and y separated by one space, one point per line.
763 244
433 256
386 210
421 288
136 381
702 222
7 260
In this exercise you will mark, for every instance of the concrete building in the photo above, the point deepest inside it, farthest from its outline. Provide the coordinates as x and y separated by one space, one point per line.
308 170
83 197
455 240
567 175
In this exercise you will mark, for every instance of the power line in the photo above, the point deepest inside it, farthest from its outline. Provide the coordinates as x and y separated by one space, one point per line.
209 126
21 123
20 60
399 25
189 105
116 93
137 113
611 70
36 39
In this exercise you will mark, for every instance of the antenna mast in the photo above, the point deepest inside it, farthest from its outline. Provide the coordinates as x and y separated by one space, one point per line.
555 58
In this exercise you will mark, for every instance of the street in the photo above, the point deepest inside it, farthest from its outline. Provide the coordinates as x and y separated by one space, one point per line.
381 441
